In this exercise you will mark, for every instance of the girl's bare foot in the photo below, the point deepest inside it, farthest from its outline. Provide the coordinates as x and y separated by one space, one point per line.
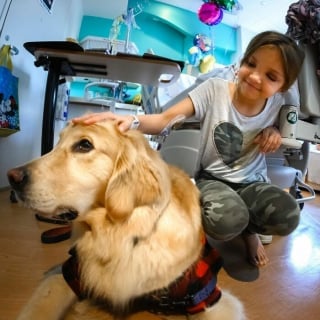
255 250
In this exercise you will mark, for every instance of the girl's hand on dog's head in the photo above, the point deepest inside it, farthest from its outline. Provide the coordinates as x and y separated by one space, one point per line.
92 118
124 122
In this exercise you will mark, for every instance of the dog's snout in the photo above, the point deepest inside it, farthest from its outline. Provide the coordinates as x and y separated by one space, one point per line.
18 178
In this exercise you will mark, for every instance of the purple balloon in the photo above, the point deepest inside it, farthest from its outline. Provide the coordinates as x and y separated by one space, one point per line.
210 14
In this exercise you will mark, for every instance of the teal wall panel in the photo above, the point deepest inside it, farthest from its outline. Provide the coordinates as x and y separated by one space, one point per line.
168 31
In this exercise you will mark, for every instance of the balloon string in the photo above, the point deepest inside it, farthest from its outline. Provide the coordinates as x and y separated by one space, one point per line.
212 39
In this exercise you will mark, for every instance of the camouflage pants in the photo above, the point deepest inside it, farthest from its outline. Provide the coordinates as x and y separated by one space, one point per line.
259 207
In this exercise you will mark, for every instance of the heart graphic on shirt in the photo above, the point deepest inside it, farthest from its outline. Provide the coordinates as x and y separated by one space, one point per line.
228 140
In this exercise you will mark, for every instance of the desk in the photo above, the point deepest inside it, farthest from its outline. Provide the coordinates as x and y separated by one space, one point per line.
62 58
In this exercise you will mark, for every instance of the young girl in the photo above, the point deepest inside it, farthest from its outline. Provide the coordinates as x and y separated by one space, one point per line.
237 129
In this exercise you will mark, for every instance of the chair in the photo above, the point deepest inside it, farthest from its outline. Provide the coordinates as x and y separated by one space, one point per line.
288 167
181 148
292 171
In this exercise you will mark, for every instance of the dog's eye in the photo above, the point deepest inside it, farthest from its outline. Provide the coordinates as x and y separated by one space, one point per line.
83 145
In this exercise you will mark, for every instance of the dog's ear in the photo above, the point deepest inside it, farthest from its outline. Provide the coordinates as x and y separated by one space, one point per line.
139 179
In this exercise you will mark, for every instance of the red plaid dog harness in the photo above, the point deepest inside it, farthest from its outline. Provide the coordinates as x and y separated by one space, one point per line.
191 293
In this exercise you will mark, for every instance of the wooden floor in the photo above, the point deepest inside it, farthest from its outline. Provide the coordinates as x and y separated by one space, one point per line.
287 288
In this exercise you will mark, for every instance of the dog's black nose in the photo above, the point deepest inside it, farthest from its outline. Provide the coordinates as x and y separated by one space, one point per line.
18 178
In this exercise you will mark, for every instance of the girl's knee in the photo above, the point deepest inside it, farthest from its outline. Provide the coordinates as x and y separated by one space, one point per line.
284 217
224 213
289 222
223 224
272 210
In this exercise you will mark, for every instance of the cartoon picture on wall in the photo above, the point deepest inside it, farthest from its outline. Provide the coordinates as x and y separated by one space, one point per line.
48 4
9 83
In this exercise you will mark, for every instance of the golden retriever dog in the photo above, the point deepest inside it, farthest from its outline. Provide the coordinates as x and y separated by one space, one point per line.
139 250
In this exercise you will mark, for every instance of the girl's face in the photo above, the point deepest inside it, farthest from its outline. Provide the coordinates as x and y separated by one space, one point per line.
262 75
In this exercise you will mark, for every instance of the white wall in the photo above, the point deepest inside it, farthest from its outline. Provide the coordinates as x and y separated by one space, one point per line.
28 21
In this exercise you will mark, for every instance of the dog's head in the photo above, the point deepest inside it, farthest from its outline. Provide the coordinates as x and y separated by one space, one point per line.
90 167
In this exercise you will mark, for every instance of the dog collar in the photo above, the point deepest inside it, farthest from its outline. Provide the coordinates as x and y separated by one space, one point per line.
71 273
191 293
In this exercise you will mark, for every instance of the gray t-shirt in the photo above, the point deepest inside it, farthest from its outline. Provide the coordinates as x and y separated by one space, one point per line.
227 150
